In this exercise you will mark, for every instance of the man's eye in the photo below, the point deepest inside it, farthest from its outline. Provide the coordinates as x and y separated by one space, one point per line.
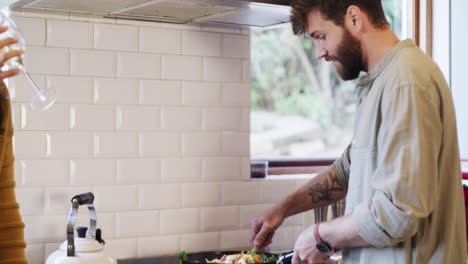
322 37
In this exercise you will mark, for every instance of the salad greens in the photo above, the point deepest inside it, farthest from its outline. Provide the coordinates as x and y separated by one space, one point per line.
182 255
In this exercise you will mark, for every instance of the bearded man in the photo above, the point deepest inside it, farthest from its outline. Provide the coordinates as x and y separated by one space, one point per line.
401 173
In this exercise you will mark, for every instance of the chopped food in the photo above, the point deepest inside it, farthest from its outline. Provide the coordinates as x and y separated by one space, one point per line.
243 258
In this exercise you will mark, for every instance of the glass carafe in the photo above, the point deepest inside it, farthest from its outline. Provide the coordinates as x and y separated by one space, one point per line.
42 98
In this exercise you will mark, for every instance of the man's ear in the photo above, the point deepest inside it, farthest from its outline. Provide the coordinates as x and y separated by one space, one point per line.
354 18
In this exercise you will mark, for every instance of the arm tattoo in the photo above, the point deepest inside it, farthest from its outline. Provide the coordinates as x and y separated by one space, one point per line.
324 191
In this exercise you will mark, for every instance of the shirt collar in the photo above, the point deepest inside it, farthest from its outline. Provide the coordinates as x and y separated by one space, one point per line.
367 78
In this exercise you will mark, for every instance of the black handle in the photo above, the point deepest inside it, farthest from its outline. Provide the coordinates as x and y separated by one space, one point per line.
99 236
84 198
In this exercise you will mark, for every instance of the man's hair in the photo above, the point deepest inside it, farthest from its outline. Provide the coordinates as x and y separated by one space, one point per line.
335 10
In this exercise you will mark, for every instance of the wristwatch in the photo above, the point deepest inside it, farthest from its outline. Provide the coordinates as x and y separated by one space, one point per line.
322 246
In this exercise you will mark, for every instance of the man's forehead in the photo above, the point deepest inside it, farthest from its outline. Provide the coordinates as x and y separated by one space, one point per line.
316 22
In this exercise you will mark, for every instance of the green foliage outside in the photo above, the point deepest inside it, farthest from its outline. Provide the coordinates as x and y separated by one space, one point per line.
288 80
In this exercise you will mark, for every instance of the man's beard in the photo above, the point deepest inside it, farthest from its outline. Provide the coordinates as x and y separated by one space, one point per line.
349 56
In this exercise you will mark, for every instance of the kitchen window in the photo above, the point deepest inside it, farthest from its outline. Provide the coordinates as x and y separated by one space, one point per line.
301 112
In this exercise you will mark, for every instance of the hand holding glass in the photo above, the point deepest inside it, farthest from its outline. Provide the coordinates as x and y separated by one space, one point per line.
42 98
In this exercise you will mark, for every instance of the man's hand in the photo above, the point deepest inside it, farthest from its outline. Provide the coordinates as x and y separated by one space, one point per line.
5 56
263 227
305 250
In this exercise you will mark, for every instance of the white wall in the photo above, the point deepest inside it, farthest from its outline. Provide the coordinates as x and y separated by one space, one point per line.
459 59
152 118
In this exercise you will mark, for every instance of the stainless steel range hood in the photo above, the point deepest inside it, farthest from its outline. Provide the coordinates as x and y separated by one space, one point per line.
239 13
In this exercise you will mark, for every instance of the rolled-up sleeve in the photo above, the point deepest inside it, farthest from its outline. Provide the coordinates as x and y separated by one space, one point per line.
342 165
404 184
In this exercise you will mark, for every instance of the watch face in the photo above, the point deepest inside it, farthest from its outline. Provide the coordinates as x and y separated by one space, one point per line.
324 248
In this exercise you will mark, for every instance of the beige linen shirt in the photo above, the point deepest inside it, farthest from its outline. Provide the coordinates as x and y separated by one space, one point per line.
402 167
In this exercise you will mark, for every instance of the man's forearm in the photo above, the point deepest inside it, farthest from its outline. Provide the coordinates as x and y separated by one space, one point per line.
324 189
341 232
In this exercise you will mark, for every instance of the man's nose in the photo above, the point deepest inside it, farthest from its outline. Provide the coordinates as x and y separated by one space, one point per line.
320 53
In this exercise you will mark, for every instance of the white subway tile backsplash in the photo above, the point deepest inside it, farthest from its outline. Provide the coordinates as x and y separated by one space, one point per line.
201 43
246 71
250 212
138 118
33 30
182 119
236 142
116 145
239 193
160 40
223 119
58 198
93 117
201 143
159 196
35 253
160 92
295 220
245 120
285 238
137 223
138 171
200 242
69 34
220 218
29 144
16 115
224 70
66 145
201 194
45 172
93 63
71 89
151 117
236 46
159 144
93 172
121 248
115 37
182 170
245 168
116 91
116 198
31 200
56 117
201 93
47 60
18 174
180 221
139 65
235 239
181 68
235 94
41 228
220 169
274 191
158 246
